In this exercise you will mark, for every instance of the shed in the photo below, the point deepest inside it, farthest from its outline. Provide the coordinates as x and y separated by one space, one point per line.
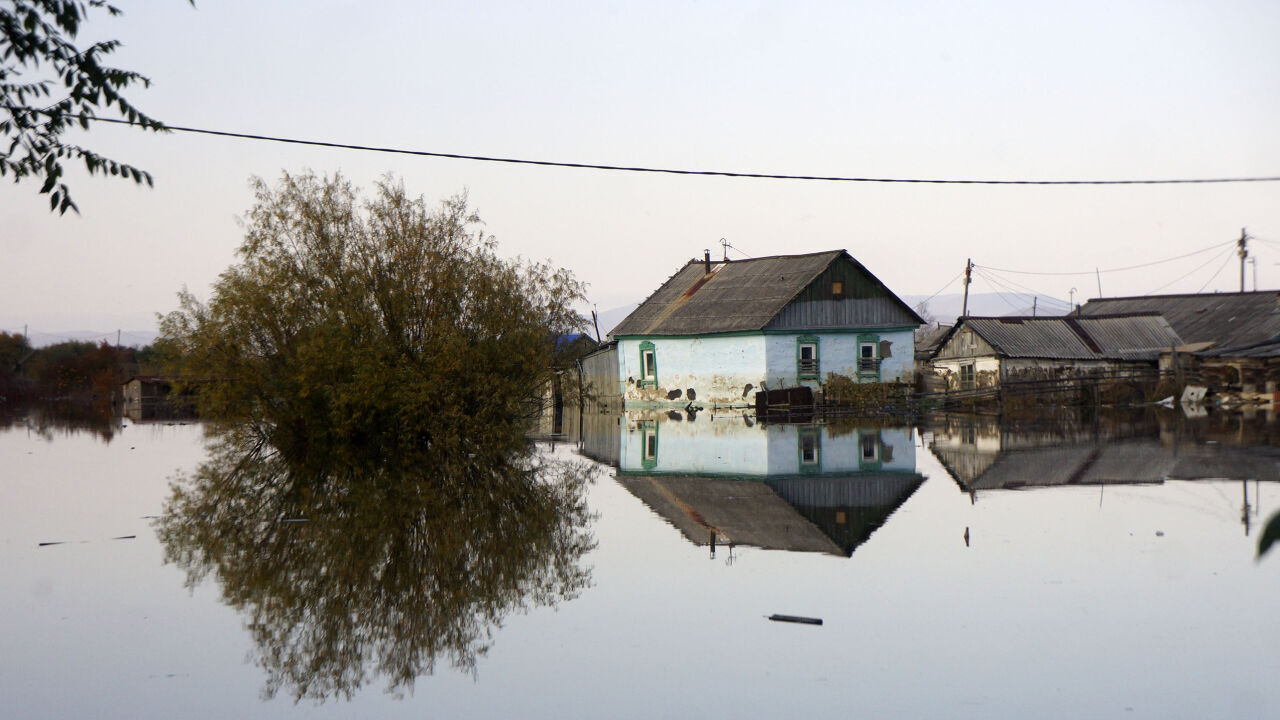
989 351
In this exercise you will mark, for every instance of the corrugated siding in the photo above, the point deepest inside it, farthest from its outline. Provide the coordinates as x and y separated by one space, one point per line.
873 490
850 313
600 373
1227 319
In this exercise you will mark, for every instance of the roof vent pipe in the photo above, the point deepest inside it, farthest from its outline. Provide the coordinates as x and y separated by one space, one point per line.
706 259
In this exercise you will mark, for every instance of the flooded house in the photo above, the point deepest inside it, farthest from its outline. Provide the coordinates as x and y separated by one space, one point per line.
728 480
1231 340
990 352
715 333
151 397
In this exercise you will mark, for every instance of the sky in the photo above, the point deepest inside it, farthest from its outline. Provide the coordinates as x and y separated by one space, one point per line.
963 90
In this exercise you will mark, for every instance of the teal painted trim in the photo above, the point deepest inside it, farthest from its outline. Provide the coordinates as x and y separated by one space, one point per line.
814 436
647 349
851 474
814 372
648 454
868 375
748 333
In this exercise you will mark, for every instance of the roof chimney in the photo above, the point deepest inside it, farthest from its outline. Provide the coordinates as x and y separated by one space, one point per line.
706 259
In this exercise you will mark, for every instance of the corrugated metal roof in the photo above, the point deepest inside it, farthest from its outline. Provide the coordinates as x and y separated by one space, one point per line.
742 295
1226 319
1266 349
1124 337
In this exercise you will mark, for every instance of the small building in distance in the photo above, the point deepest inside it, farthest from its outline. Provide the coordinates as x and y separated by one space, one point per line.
717 332
988 352
151 397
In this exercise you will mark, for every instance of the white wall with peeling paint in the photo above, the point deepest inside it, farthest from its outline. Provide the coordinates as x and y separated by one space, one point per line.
719 367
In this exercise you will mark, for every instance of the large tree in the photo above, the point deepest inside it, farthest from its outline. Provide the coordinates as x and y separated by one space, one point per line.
376 322
48 86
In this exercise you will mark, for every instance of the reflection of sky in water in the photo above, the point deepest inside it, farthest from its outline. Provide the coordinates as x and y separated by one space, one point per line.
1067 602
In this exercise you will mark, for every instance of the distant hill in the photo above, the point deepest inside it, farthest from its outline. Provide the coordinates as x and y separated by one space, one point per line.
946 308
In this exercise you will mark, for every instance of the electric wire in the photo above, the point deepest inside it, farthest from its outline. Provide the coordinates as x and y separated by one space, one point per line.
1020 289
944 287
999 294
1215 274
678 171
1023 292
1194 270
1111 270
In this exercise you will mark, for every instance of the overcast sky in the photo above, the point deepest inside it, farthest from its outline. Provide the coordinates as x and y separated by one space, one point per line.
965 90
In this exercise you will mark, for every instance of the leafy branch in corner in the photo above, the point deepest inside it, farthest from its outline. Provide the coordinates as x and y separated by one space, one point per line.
48 85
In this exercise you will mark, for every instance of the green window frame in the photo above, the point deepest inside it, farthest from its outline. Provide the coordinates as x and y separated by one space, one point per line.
648 365
808 368
809 449
648 445
869 364
870 450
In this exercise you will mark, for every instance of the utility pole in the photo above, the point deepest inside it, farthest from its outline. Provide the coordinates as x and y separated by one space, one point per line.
1242 252
1099 274
968 278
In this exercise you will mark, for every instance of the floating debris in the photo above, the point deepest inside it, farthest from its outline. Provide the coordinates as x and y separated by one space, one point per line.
796 619
55 542
125 537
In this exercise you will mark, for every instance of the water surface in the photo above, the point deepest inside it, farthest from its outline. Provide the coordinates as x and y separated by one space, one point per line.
967 568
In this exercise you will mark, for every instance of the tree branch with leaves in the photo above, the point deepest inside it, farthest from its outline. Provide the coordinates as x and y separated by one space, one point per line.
49 85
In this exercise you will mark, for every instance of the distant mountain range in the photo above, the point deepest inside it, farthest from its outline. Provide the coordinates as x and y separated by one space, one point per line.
940 308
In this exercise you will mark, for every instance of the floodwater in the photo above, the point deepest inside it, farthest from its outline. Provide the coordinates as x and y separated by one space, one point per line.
966 568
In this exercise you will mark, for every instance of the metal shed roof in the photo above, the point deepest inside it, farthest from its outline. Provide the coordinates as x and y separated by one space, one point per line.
1116 337
1226 319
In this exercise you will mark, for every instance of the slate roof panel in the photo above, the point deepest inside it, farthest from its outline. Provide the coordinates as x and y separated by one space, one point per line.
1227 319
1130 337
738 296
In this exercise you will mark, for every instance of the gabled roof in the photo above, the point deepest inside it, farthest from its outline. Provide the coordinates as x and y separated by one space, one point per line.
1137 336
737 296
1226 319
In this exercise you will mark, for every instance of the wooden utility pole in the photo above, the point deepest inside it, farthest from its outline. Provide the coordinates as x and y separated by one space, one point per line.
1243 252
968 278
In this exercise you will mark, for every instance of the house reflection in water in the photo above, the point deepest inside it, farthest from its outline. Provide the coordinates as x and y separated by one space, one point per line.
982 454
729 480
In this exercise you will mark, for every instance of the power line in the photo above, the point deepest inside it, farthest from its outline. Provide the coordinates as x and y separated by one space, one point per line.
716 173
1194 270
1215 275
1020 289
1111 270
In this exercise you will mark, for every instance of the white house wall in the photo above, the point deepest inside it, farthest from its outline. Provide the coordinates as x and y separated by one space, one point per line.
718 368
838 353
727 445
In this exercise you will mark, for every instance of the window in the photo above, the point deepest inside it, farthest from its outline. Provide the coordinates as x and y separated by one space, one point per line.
870 447
869 357
649 447
966 376
837 288
808 365
648 365
810 449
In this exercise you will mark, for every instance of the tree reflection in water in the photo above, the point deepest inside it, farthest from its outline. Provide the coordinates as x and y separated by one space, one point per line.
351 568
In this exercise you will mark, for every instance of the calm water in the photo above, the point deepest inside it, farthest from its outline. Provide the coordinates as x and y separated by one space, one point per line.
1066 568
